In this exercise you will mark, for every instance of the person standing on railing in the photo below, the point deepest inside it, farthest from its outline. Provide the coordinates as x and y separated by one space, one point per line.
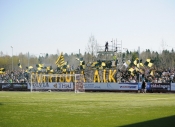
106 46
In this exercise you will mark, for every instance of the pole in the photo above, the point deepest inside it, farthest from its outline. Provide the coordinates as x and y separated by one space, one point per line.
79 53
12 58
121 46
121 53
112 44
116 42
31 85
28 59
139 61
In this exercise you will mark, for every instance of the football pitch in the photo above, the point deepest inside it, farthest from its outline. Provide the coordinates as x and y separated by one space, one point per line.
91 109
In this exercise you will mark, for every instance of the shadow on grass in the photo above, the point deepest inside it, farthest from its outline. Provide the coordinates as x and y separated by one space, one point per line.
1 103
161 122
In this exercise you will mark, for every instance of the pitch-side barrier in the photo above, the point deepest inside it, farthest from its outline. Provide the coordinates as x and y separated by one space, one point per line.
63 86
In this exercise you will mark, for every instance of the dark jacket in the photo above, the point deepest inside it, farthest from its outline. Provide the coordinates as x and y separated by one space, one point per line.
143 85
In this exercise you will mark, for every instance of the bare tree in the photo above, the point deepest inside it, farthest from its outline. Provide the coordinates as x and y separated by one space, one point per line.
163 45
92 47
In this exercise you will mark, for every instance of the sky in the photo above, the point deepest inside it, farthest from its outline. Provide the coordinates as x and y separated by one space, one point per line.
48 26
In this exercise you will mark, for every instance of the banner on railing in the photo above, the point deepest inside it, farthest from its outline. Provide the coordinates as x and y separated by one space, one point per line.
172 86
160 87
111 86
14 86
153 87
128 86
53 85
101 86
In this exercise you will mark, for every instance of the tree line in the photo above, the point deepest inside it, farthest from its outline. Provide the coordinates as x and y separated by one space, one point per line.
163 60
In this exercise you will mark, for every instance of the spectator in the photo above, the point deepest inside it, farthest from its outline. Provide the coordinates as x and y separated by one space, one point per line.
106 46
143 86
159 80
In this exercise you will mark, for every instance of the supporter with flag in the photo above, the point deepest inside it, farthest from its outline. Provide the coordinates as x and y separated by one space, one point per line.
19 64
149 63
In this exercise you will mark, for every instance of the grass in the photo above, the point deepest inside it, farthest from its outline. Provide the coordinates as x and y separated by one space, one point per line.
67 109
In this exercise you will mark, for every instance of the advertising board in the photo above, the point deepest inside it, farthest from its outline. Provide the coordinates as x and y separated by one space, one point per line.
52 85
172 86
160 87
14 86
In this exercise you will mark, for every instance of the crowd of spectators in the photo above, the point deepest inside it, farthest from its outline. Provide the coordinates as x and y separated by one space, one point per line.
14 77
157 76
163 76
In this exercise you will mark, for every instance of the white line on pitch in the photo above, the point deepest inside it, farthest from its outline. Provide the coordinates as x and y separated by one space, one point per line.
157 99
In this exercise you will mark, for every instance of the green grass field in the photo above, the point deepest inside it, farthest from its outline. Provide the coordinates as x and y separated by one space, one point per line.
105 109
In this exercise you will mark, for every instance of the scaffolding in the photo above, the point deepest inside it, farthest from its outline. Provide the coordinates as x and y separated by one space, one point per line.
114 53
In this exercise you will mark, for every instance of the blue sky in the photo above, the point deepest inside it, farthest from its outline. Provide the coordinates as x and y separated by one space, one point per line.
45 26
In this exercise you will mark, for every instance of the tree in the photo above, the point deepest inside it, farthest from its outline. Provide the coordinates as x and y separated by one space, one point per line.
92 47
